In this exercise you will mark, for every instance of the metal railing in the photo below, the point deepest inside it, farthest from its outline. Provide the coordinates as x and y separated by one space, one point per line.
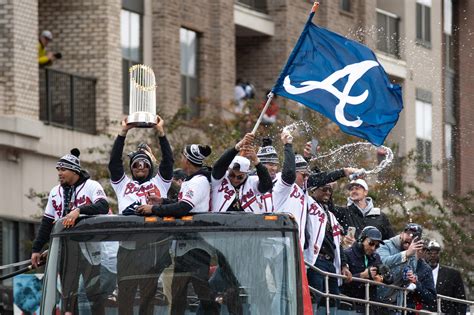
68 100
367 302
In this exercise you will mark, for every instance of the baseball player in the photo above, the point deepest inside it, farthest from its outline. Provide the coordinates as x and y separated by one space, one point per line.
133 258
192 266
76 194
292 197
135 191
269 158
194 194
232 189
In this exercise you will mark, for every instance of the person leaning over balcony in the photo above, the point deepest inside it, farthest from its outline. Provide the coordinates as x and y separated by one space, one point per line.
76 194
136 263
45 57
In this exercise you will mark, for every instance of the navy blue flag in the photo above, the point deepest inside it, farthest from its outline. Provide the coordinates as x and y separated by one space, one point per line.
342 80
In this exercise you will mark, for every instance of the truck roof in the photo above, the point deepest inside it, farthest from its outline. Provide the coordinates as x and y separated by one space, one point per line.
228 221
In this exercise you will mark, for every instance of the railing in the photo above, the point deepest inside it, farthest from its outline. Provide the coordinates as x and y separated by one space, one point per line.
257 5
68 100
367 302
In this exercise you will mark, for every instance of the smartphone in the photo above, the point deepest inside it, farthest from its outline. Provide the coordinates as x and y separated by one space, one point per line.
314 146
351 231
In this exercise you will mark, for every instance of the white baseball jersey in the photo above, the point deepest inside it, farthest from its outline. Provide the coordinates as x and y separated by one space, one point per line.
196 192
291 199
223 194
87 193
317 221
129 191
266 199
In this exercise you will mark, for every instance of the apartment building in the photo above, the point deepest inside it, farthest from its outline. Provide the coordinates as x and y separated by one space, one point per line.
198 49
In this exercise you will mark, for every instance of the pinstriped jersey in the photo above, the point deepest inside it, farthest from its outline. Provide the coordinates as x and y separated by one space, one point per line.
86 193
129 191
291 198
196 192
223 194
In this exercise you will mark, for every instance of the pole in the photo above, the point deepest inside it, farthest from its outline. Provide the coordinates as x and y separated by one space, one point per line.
269 100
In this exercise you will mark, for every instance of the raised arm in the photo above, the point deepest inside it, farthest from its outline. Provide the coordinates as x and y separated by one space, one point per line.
264 179
116 163
222 164
288 173
167 161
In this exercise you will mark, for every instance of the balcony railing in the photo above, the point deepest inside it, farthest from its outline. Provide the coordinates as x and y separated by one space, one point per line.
67 100
257 5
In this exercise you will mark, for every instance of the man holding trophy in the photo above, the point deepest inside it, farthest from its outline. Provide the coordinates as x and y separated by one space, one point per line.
145 262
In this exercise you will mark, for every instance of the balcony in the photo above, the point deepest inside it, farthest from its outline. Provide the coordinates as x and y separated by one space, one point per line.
251 19
68 100
257 5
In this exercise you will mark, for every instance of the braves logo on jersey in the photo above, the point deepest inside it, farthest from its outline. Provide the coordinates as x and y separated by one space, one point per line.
129 192
226 191
87 193
296 193
224 194
141 191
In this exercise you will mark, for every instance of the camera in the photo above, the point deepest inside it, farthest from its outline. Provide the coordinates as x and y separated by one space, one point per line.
385 273
58 55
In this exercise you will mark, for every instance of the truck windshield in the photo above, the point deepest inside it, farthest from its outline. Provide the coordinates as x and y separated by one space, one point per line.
127 272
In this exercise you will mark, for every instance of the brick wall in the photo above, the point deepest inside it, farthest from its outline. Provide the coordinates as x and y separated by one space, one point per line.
19 59
213 21
87 33
463 12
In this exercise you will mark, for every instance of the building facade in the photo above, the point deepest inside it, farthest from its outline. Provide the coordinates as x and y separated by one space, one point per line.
198 49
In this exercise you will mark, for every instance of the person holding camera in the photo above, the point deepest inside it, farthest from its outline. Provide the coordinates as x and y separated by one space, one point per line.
45 57
401 254
364 263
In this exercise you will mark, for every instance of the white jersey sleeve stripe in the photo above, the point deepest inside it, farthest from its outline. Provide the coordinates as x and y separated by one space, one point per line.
48 216
118 181
188 202
161 177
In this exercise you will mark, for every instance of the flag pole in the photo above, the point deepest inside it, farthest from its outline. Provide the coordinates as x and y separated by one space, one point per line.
270 95
269 100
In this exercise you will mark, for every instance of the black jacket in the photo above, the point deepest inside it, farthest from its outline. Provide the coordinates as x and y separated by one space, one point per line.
425 292
352 216
356 261
450 283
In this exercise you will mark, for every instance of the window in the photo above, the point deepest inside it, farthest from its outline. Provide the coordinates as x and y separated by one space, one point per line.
189 76
387 33
131 43
449 155
346 5
423 22
423 140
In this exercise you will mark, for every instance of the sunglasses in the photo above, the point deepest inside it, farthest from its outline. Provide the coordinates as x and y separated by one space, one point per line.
238 177
326 189
376 244
141 164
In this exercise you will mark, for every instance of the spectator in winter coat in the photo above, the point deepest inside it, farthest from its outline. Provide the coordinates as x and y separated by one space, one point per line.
360 211
363 263
399 253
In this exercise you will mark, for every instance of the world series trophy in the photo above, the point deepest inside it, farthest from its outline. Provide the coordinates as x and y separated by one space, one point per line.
142 97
